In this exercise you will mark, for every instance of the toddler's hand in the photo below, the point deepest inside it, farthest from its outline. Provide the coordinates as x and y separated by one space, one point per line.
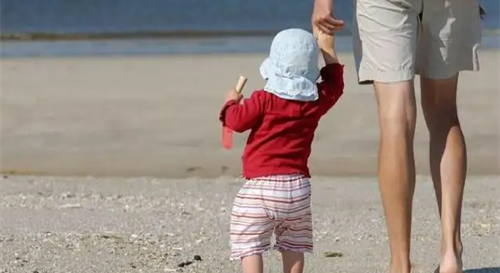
326 41
232 94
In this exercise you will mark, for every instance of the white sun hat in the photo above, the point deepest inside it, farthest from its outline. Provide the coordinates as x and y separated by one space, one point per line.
291 70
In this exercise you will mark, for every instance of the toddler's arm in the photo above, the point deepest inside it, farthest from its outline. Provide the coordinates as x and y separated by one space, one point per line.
331 87
241 117
326 44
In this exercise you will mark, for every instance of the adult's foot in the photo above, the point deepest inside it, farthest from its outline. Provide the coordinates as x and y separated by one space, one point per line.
451 263
400 269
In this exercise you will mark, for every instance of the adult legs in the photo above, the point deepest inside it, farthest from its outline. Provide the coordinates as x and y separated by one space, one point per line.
450 36
397 113
385 46
448 164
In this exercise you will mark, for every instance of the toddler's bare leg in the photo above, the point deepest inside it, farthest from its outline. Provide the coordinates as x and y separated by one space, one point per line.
293 262
252 264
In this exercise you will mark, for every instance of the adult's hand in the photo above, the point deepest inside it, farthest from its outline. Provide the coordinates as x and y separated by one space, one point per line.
323 19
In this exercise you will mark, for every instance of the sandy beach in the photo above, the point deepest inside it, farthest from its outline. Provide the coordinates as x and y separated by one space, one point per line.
68 121
110 225
157 116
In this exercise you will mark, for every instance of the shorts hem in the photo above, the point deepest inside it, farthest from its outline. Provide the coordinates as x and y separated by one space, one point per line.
369 77
297 250
436 74
246 254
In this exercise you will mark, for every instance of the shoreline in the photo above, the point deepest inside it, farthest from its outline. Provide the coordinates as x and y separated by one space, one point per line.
46 36
165 47
152 35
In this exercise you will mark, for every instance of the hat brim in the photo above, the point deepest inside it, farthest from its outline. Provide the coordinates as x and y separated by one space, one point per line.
299 88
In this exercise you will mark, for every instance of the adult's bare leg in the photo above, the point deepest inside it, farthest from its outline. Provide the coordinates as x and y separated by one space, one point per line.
397 114
448 164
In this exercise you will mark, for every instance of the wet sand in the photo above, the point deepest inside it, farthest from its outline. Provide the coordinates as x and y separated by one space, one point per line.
157 116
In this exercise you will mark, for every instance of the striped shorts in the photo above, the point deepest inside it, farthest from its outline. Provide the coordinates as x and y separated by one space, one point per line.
279 204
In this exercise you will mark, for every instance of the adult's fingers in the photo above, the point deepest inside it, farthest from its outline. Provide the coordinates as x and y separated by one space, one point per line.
323 28
336 22
333 23
329 24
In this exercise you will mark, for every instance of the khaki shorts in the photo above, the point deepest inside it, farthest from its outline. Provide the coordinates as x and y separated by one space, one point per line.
392 44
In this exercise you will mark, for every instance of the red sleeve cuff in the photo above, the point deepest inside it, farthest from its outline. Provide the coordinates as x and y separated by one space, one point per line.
222 114
332 72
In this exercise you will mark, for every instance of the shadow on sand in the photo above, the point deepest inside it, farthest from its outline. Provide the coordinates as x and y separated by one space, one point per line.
484 270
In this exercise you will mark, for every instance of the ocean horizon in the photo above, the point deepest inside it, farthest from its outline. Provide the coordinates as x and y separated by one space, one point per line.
146 27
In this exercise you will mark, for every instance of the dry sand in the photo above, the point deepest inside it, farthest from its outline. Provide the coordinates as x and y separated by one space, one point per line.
157 116
90 225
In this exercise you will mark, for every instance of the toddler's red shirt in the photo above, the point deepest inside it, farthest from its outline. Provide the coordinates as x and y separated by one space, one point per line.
282 130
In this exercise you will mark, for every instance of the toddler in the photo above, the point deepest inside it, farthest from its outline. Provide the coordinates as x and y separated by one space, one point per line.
282 119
